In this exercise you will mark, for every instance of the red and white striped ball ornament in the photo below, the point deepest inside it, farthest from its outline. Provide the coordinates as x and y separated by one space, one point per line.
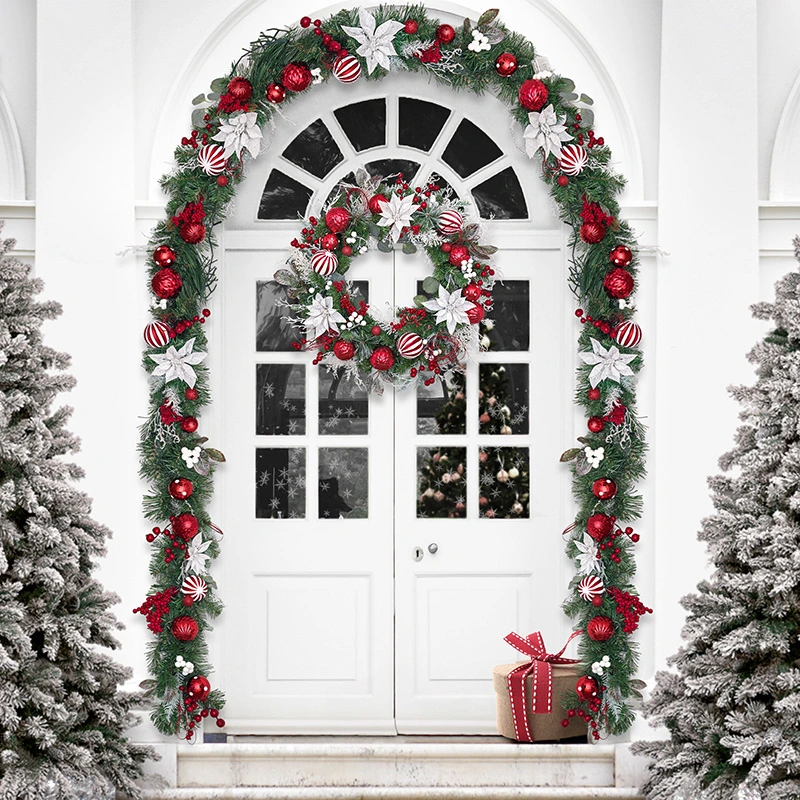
450 222
211 158
195 587
410 345
156 333
628 334
347 69
590 587
574 159
324 262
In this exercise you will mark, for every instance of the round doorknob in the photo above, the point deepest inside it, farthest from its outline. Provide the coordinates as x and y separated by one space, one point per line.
433 548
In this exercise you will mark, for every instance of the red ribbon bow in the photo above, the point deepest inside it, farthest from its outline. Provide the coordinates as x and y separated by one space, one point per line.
541 666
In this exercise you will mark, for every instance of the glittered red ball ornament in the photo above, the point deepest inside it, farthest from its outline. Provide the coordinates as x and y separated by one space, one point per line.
472 292
445 33
595 424
533 94
240 89
618 283
276 93
600 629
166 283
376 330
190 394
475 314
186 525
593 232
198 688
193 232
458 253
189 424
329 241
620 256
184 629
597 600
593 394
411 26
586 688
375 203
337 219
164 256
562 180
382 358
181 488
599 525
296 76
343 350
604 489
506 64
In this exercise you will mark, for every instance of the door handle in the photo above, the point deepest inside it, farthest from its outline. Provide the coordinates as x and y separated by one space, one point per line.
433 548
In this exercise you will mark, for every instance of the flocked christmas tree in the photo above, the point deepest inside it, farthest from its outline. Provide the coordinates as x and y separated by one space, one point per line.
733 708
63 717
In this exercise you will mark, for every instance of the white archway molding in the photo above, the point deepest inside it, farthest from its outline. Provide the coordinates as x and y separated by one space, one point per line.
12 162
558 37
784 173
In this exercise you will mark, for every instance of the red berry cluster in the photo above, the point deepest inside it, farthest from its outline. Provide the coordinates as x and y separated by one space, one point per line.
308 236
185 324
328 42
155 606
591 212
167 413
629 607
191 141
411 317
196 717
600 324
192 213
349 308
177 542
589 139
617 415
594 706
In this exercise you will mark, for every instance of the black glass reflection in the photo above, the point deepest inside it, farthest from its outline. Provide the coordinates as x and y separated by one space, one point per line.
283 197
501 197
280 399
503 399
504 480
280 483
508 325
441 482
364 123
274 332
442 406
314 150
343 482
343 406
470 149
420 123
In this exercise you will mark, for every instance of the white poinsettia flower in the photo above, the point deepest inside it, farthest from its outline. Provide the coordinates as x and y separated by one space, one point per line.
240 132
397 212
545 132
450 307
588 562
377 45
322 316
609 364
175 365
197 556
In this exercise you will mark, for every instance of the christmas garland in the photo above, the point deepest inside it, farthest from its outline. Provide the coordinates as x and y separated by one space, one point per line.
556 127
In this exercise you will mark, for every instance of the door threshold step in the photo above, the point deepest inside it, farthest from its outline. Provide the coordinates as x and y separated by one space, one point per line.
398 793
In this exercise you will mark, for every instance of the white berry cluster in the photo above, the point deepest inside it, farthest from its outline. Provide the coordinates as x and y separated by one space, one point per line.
480 41
599 667
467 268
186 667
191 457
594 457
355 320
353 239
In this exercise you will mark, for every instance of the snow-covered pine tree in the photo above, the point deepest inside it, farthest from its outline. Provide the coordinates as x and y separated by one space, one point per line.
732 710
63 718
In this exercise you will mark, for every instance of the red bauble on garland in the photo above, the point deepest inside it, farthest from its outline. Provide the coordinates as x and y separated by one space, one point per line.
198 688
276 93
190 394
600 629
593 232
445 33
458 253
193 232
330 241
166 283
296 77
506 64
411 26
618 283
620 256
184 629
593 394
186 525
586 688
382 358
599 526
240 89
375 203
595 424
475 314
604 489
533 94
181 488
189 424
164 256
337 219
343 350
472 292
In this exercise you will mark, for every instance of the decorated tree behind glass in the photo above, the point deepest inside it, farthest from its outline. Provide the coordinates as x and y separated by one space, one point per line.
732 707
62 716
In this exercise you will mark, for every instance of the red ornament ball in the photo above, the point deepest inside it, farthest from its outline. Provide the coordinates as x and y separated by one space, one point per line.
475 314
347 250
593 394
597 600
382 358
156 333
296 76
166 283
184 629
586 688
240 89
458 253
604 489
599 525
193 232
190 394
343 350
186 525
445 33
181 488
376 330
337 219
533 94
595 424
189 424
375 203
618 283
164 256
593 232
222 180
621 256
276 93
329 241
562 180
506 64
411 26
472 292
628 334
600 629
198 688
346 68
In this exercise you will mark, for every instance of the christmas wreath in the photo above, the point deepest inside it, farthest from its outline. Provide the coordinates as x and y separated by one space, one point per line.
556 127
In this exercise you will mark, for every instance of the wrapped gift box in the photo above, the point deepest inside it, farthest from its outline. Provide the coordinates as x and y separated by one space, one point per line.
543 727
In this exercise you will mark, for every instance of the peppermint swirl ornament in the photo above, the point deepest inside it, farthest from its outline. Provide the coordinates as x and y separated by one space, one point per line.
324 263
347 69
574 159
590 587
195 587
156 333
211 159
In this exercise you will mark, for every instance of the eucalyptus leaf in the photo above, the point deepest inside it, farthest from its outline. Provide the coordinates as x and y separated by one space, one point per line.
568 97
587 115
219 85
584 98
214 455
409 248
419 300
585 440
284 277
202 440
569 85
374 229
385 247
197 118
495 35
430 285
213 96
570 455
488 16
201 98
